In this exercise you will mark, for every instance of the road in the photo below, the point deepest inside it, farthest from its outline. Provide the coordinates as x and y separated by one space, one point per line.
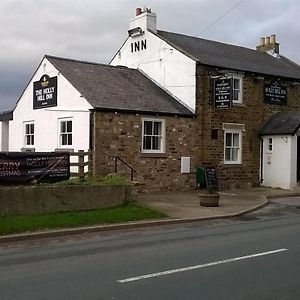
252 257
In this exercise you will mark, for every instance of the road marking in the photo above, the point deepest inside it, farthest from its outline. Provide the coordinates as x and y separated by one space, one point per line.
168 272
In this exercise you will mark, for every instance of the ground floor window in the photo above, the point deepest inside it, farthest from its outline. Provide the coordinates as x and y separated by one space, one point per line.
153 137
232 146
65 132
29 134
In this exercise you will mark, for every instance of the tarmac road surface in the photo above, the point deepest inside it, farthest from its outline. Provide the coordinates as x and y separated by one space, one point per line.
256 256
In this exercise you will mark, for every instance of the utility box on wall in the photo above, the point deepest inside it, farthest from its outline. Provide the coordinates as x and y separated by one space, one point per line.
185 165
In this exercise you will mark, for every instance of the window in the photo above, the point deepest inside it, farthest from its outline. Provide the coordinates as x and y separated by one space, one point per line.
65 134
29 134
153 139
237 92
270 144
232 147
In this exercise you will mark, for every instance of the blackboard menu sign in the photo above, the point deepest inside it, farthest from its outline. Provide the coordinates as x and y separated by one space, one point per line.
222 93
211 177
45 92
274 93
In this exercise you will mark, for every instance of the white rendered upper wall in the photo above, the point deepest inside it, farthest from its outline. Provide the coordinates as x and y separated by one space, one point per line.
70 104
166 66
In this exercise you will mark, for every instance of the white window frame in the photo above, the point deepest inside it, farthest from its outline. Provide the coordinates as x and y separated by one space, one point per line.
60 133
239 157
240 89
30 134
270 145
162 136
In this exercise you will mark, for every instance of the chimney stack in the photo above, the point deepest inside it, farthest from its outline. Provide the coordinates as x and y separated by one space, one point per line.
268 44
144 19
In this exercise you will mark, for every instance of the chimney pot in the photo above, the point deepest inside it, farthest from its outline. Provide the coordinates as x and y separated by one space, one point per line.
138 11
273 39
267 40
262 41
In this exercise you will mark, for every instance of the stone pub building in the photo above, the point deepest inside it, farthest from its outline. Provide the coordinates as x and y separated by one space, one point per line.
166 104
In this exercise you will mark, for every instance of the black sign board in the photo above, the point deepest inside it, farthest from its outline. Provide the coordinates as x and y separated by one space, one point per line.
222 93
20 167
274 93
211 177
45 92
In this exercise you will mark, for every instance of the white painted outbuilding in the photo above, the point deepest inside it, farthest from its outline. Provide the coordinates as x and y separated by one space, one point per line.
280 156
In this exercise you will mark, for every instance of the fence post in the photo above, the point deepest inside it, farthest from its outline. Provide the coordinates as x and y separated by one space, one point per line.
81 165
90 164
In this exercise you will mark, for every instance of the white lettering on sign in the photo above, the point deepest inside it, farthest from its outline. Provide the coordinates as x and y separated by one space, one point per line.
138 46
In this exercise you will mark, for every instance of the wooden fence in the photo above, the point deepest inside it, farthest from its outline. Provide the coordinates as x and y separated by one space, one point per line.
81 164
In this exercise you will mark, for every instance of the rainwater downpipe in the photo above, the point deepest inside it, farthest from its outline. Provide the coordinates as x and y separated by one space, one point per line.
261 159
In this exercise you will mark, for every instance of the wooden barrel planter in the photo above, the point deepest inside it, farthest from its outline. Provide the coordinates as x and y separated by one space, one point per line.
209 199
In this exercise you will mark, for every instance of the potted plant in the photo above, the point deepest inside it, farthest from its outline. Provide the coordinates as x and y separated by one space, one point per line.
209 197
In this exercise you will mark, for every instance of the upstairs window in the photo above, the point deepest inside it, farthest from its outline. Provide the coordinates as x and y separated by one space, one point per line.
237 89
270 144
153 139
29 134
65 134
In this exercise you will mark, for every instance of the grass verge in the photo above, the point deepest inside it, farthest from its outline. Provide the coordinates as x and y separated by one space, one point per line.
125 213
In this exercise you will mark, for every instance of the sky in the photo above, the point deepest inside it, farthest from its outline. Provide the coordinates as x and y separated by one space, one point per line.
93 30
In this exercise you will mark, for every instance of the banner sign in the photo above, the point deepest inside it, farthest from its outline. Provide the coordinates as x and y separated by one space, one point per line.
222 93
45 92
274 93
21 167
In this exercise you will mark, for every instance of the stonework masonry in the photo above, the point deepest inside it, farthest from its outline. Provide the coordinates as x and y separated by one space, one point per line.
252 113
119 134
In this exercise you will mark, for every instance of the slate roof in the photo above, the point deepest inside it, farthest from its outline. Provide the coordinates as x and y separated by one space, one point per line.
117 88
233 57
281 123
6 115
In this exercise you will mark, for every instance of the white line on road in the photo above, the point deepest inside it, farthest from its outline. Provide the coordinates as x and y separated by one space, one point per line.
147 276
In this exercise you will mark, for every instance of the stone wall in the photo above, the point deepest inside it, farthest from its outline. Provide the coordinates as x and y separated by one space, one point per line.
252 113
22 200
117 134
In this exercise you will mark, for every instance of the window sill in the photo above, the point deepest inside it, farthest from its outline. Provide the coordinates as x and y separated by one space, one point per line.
154 155
232 164
64 150
27 149
237 104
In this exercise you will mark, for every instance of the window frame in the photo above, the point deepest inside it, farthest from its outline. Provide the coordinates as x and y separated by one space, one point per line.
60 133
30 134
270 145
240 90
240 139
162 136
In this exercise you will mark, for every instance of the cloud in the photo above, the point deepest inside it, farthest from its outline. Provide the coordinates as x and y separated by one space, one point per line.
93 30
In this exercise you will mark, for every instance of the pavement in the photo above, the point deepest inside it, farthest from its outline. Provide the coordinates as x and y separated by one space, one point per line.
181 207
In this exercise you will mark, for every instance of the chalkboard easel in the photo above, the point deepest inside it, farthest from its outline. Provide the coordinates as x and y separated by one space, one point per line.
211 178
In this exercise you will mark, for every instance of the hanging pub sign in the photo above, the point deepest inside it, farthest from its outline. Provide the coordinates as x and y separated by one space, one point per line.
222 93
45 92
274 93
22 167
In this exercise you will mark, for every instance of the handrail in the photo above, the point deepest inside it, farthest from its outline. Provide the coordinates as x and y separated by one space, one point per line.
116 166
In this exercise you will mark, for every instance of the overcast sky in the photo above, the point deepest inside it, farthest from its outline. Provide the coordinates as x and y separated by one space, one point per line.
93 30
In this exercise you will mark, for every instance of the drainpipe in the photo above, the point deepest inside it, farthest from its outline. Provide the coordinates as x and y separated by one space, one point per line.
261 159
